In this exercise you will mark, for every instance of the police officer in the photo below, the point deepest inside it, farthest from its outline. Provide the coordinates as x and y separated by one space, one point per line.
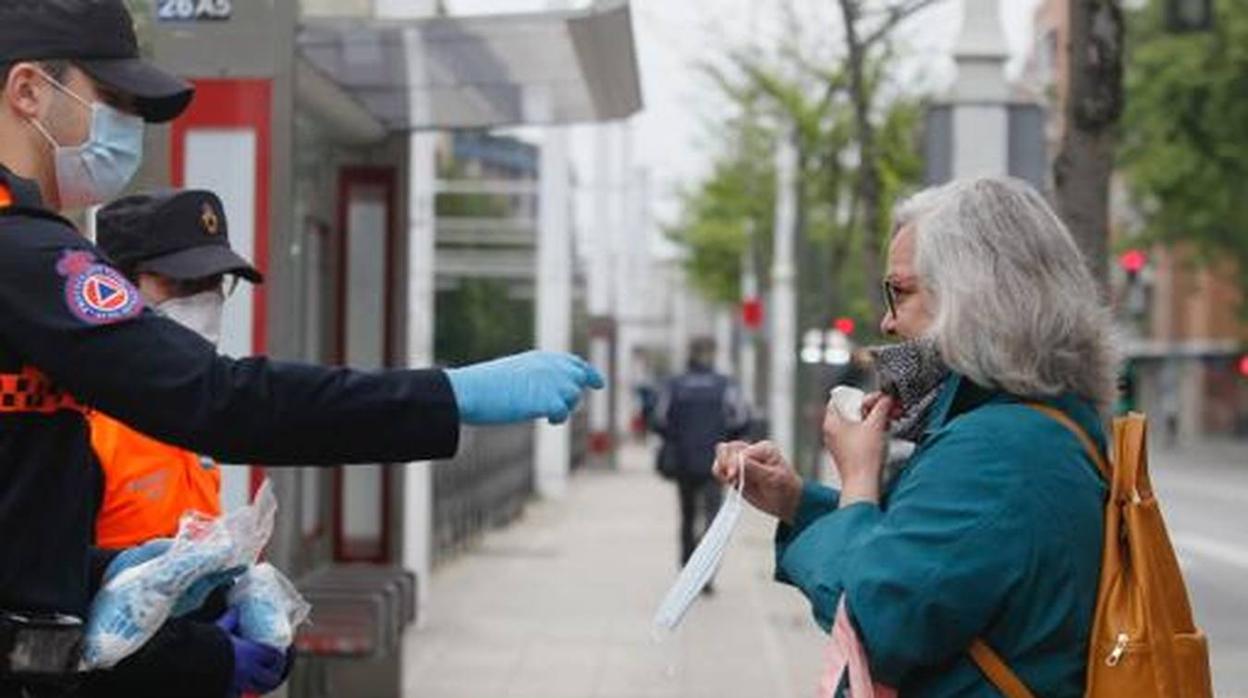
75 334
175 247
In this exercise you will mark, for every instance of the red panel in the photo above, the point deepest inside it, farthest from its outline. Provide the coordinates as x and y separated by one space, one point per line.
234 104
349 178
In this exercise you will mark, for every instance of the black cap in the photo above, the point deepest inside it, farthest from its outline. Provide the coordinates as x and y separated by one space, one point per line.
178 234
97 36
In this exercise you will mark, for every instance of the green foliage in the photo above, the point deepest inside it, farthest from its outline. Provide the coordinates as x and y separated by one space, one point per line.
1185 134
739 194
720 213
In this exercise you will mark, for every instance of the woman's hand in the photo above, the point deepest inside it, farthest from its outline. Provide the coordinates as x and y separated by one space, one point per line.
868 403
771 484
857 448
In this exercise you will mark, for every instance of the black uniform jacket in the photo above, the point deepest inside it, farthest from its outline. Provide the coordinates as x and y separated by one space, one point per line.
65 312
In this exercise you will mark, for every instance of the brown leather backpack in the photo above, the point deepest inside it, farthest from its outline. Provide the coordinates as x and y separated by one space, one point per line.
1144 643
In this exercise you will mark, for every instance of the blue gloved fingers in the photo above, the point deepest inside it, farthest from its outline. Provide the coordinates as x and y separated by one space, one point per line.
590 377
596 381
557 415
229 620
576 368
268 669
569 393
561 408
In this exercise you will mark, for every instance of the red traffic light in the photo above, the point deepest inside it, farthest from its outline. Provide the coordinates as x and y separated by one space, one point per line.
1132 261
752 313
1243 365
844 325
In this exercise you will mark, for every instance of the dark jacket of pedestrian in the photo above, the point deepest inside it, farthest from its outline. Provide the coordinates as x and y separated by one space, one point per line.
697 410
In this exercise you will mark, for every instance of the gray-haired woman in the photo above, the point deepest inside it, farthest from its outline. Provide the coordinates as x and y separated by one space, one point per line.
993 529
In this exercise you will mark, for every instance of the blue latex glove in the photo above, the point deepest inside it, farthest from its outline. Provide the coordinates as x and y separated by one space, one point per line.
133 557
533 385
258 668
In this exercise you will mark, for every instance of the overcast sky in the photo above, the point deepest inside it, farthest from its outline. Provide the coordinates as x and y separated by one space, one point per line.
669 137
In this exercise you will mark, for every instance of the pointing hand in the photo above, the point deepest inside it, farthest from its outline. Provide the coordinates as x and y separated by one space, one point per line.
533 385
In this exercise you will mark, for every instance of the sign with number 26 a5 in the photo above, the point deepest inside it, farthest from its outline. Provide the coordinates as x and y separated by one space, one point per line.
193 10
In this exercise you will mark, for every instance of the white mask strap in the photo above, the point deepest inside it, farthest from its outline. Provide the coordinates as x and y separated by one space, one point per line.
43 131
57 84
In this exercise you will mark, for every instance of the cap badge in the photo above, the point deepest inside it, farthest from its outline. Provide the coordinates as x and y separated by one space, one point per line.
210 220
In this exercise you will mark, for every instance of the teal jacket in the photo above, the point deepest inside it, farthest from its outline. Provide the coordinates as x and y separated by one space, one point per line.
992 530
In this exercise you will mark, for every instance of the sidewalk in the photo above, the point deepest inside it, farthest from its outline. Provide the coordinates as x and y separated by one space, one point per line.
559 605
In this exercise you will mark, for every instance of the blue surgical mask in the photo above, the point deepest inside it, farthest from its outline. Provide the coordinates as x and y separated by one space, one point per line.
99 169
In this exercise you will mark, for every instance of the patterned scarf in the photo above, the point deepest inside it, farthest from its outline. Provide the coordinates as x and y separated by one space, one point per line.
911 372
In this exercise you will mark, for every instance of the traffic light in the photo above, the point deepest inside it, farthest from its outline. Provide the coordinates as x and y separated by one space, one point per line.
752 313
844 325
1132 261
1243 366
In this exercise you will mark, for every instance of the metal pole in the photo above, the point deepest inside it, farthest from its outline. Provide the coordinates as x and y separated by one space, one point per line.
783 298
600 289
628 237
421 252
553 448
748 356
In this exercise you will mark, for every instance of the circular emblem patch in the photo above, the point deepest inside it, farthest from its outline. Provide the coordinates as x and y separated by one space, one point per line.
99 295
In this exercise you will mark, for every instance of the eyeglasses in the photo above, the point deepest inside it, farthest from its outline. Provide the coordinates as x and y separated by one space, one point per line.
193 287
890 296
895 293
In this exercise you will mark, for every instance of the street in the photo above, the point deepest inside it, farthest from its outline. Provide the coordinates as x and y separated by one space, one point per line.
559 604
1204 495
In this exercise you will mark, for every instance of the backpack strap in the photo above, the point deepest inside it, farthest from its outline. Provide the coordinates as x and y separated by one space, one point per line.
1088 444
988 661
997 672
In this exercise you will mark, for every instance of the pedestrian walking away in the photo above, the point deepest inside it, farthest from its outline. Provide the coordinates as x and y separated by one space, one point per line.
695 411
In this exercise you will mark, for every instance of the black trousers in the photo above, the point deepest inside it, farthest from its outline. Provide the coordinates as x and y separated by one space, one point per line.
699 502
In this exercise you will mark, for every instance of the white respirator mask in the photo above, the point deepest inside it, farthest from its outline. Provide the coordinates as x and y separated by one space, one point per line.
200 313
705 560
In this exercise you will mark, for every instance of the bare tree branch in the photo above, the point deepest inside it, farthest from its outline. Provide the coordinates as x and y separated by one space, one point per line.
895 15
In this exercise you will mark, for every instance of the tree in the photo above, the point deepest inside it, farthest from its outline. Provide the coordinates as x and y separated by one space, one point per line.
863 36
1092 108
1185 150
845 189
729 212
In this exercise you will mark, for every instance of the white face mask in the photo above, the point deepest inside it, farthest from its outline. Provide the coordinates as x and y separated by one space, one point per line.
704 561
100 168
200 313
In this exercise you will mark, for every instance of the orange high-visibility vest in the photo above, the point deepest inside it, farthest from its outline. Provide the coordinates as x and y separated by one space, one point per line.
148 485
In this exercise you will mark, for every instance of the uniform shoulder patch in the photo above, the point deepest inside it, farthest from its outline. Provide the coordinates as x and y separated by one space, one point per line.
96 293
